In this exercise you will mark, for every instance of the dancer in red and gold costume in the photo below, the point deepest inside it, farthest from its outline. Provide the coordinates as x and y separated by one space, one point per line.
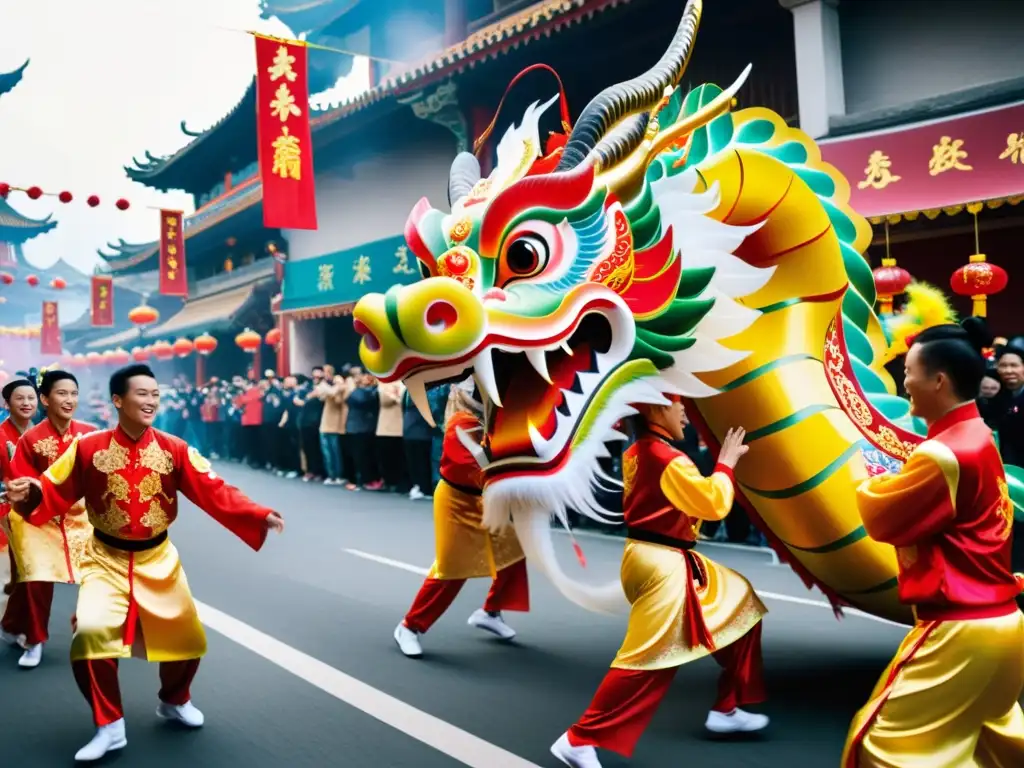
464 549
21 400
949 697
52 553
684 606
134 598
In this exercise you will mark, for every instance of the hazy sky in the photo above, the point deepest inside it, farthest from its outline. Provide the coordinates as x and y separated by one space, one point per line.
109 79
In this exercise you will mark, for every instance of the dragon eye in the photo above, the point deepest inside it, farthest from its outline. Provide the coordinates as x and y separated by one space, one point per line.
527 255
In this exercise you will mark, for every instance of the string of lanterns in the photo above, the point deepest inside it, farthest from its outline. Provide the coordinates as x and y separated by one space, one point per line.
58 283
34 193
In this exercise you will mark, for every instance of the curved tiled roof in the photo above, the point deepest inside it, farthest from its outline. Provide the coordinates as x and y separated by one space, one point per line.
15 228
10 79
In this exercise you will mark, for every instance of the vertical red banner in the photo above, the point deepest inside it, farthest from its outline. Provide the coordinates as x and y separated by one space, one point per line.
49 334
173 279
102 310
282 129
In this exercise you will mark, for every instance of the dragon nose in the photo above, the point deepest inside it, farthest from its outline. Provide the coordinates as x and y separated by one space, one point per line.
436 317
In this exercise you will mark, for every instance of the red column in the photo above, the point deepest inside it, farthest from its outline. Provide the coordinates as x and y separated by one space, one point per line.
200 369
284 363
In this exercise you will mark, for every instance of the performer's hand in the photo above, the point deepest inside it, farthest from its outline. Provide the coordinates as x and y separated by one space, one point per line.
18 490
733 448
275 522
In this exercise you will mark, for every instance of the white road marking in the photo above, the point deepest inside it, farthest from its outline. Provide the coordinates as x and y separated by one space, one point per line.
445 738
766 595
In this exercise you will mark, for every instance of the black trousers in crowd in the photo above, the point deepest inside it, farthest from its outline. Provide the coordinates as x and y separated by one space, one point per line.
391 461
309 438
363 459
252 442
349 470
287 457
417 464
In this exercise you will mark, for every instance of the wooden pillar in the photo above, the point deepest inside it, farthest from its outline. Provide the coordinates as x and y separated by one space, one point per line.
454 22
284 362
200 369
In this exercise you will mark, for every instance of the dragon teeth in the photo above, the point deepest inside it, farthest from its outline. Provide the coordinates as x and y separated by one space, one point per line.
483 370
417 389
566 348
471 445
539 360
540 443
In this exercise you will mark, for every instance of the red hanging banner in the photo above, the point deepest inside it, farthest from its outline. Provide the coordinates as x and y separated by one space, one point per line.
173 279
282 129
102 313
49 334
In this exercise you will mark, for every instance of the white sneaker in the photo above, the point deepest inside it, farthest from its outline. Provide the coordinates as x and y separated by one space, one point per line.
107 739
737 722
481 619
9 639
415 494
291 475
31 657
575 757
408 641
186 714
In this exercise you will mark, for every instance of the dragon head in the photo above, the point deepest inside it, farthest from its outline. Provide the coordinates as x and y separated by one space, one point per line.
573 286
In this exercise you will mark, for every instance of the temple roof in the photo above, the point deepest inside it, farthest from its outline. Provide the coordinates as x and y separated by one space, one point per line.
226 146
15 228
10 79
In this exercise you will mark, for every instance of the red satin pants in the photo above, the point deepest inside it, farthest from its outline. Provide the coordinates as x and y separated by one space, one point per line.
28 611
97 680
627 699
510 591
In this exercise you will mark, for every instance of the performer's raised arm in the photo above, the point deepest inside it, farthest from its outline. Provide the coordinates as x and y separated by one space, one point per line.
224 503
917 503
708 498
53 493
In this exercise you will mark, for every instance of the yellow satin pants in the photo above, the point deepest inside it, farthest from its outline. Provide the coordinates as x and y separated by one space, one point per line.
949 699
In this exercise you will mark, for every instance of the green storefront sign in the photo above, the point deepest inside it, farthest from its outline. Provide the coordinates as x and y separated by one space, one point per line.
346 276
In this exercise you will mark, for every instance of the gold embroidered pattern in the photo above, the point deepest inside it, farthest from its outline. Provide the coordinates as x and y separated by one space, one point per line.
883 436
906 557
1005 508
117 487
156 518
47 448
111 459
199 462
156 458
151 487
629 467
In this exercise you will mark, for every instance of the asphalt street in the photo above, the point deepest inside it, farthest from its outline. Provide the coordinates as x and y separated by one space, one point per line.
302 670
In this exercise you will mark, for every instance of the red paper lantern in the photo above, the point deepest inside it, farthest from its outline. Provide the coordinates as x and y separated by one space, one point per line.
183 347
5 189
6 278
120 357
979 280
143 315
890 281
273 337
78 360
122 204
248 340
162 350
140 354
109 356
32 280
34 192
59 283
92 201
93 358
65 197
205 344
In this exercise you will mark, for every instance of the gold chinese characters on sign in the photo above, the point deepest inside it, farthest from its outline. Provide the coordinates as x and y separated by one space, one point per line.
947 156
361 270
878 174
287 150
171 224
104 292
402 267
1014 151
325 278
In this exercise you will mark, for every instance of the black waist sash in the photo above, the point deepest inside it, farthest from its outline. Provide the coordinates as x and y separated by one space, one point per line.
129 545
469 491
650 537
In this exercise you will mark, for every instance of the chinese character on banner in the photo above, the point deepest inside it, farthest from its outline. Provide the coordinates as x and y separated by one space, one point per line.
102 301
946 156
325 281
49 334
878 174
282 127
402 267
173 279
361 270
1014 151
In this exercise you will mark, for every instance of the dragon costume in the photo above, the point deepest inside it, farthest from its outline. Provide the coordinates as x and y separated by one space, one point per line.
671 246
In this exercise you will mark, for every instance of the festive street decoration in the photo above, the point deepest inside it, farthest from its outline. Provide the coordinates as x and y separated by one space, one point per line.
162 350
143 315
173 278
890 281
79 360
979 280
32 280
58 283
102 301
273 337
183 347
205 344
6 278
93 359
248 340
282 128
49 335
120 357
140 354
36 192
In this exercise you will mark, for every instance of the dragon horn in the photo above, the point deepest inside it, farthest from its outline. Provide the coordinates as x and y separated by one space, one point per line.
634 96
464 175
